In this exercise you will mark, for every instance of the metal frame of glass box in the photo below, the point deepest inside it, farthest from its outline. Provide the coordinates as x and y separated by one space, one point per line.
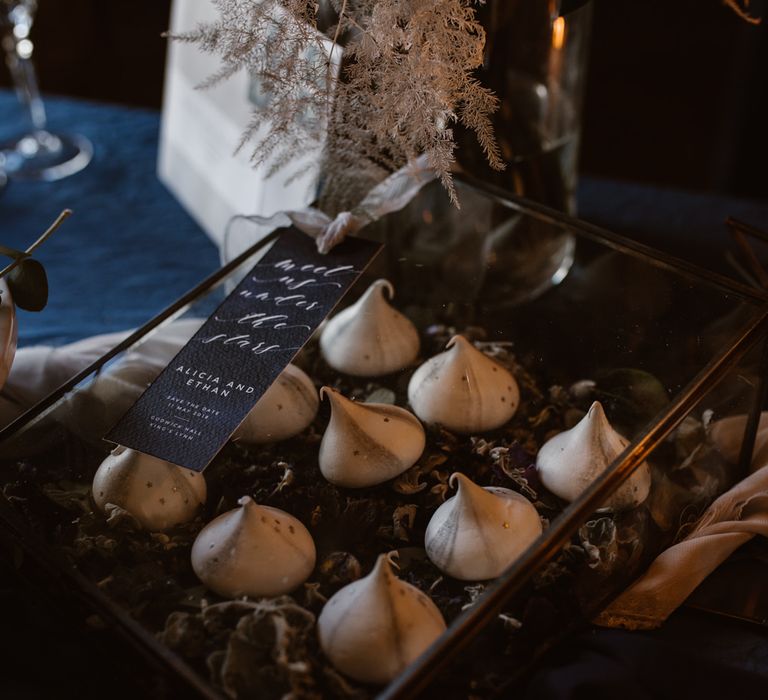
416 678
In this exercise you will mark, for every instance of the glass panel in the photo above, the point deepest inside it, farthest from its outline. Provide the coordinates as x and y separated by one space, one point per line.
697 462
642 335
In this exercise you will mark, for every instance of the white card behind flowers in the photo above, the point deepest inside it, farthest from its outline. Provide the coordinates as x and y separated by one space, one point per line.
201 130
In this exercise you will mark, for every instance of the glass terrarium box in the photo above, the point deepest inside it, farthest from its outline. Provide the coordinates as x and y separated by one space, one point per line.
454 514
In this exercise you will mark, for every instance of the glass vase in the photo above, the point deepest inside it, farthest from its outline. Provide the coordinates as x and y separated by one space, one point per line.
535 63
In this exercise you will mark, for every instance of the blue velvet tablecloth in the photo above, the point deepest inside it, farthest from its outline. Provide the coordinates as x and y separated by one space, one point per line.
130 250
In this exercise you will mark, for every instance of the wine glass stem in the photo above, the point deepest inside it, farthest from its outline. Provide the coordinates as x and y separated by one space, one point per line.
25 82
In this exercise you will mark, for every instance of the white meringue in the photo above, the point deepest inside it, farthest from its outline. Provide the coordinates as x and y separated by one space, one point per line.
287 408
254 550
463 390
368 443
8 331
370 338
570 461
157 493
375 627
480 532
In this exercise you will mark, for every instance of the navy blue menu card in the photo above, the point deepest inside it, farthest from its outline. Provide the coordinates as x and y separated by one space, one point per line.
188 413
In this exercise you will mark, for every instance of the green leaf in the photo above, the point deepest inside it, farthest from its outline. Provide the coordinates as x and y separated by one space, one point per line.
29 285
13 253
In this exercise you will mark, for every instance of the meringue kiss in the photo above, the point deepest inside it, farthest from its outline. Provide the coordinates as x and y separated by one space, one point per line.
286 409
370 338
368 443
253 550
479 532
570 461
375 627
157 493
463 390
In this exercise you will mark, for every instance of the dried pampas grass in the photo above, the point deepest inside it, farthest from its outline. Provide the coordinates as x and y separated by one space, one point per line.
405 80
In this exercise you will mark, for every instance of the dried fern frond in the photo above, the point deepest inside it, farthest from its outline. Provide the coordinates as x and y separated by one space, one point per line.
407 78
274 40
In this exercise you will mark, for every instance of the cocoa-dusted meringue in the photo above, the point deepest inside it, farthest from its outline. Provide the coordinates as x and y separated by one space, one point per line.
158 494
479 532
368 443
370 338
286 409
254 550
463 390
570 461
8 331
375 627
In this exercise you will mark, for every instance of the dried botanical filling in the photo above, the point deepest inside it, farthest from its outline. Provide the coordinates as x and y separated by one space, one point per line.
269 646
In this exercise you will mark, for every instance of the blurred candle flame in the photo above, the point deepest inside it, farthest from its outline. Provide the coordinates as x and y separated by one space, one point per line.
558 33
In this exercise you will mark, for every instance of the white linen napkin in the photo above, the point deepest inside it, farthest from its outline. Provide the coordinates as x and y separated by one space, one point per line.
39 370
731 521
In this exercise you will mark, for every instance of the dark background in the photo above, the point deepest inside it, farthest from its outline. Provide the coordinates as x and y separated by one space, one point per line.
677 91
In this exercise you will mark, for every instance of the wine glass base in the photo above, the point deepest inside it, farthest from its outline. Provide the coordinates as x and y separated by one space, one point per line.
44 156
